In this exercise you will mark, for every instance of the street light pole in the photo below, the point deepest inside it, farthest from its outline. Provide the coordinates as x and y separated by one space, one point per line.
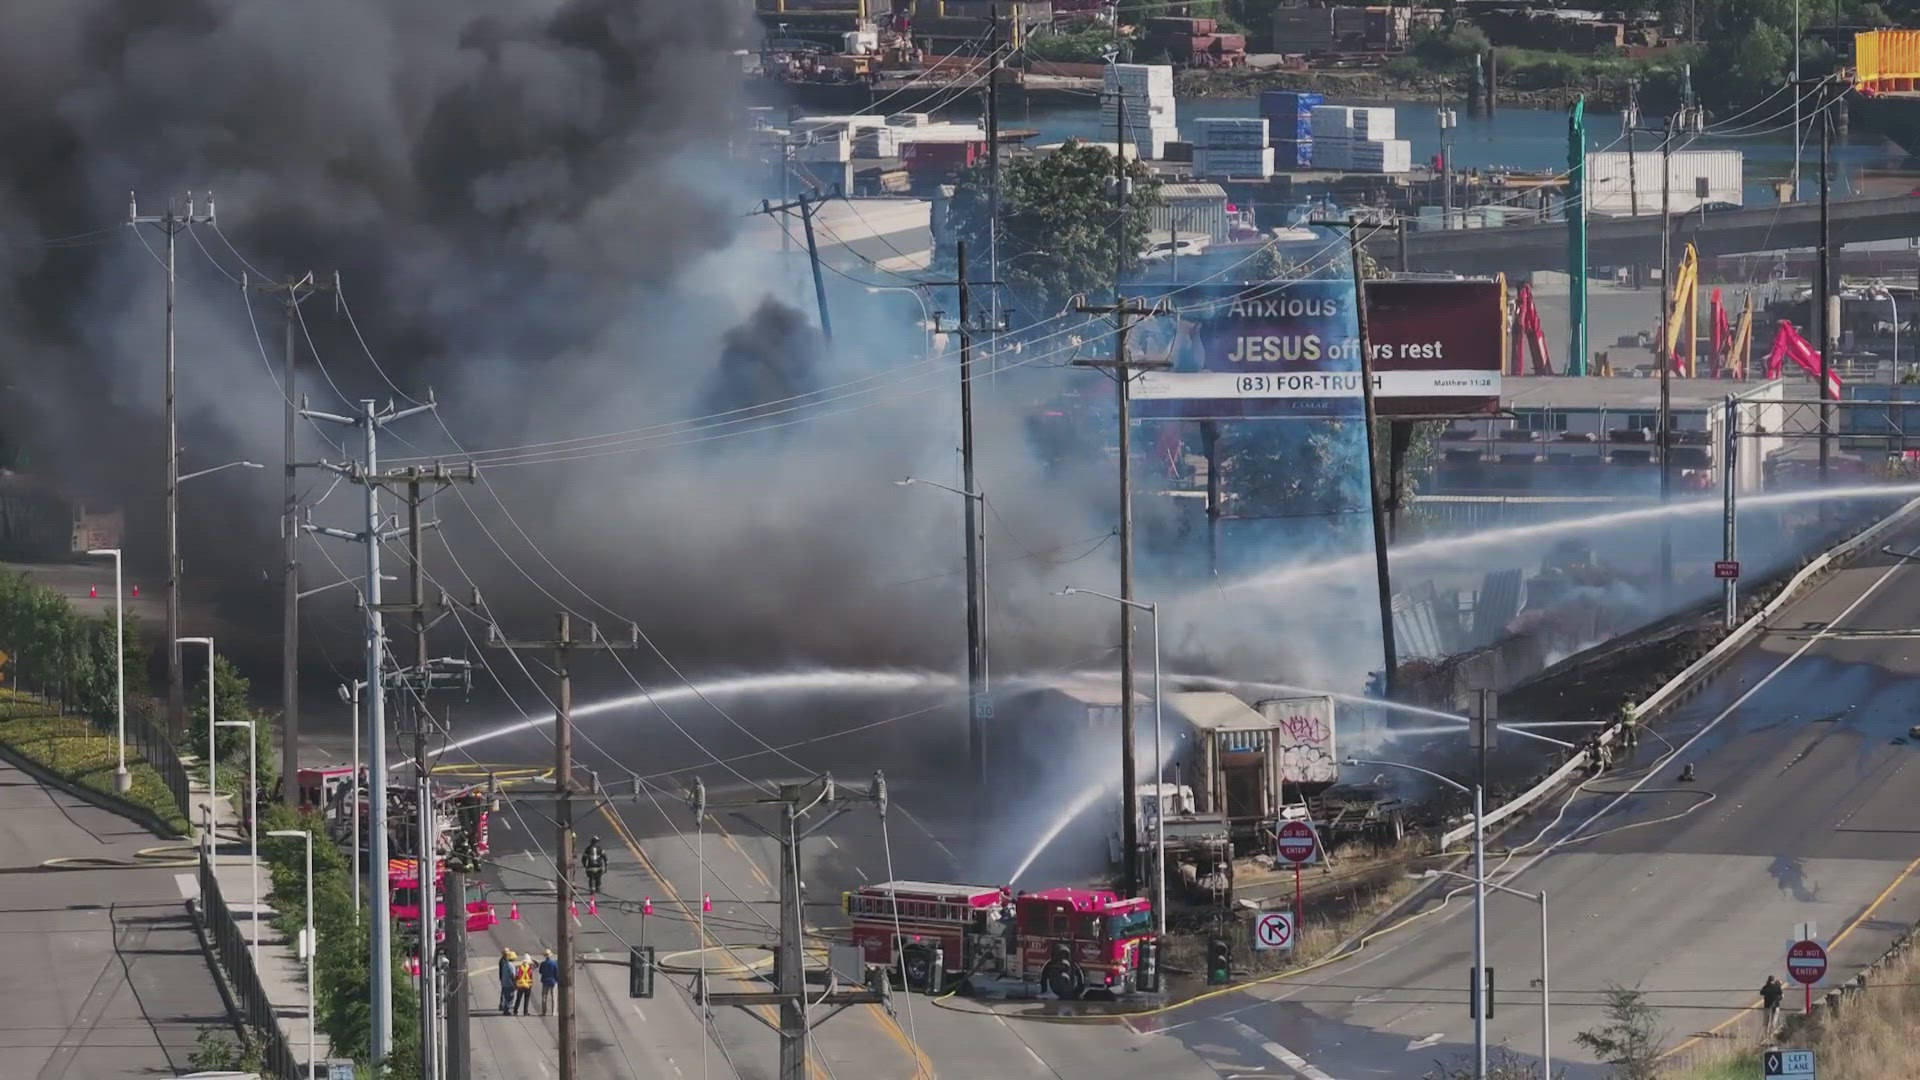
213 786
1478 999
1546 1015
247 818
1159 766
307 945
122 779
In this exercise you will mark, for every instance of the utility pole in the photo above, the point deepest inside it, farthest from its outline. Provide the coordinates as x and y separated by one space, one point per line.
1577 202
979 704
993 195
829 800
1796 100
1730 487
1662 353
1448 121
366 473
1825 297
172 223
1122 370
292 292
1631 122
1376 495
563 646
417 680
806 204
1400 242
459 1058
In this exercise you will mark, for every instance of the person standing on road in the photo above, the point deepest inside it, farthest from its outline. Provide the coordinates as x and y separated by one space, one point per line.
507 974
1771 992
594 860
523 986
549 978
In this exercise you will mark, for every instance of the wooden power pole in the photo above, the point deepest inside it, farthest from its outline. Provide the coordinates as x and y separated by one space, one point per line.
563 646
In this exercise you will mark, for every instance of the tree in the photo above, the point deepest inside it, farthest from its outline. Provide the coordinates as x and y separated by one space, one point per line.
1631 1039
1744 63
1057 225
230 690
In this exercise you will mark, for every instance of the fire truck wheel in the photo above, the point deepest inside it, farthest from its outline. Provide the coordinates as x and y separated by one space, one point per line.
918 961
1064 980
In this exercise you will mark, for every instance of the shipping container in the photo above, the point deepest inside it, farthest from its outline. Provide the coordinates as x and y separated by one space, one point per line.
1192 209
1696 177
942 154
1293 154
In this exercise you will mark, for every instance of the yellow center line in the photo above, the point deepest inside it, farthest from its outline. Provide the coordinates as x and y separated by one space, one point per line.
766 1012
922 1066
1831 945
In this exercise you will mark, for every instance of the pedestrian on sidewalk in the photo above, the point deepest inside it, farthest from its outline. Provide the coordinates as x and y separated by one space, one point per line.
1771 992
523 986
508 970
549 978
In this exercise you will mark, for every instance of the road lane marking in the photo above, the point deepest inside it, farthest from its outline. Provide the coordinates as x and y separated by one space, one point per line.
1279 1053
1758 685
815 1071
1422 1044
1837 938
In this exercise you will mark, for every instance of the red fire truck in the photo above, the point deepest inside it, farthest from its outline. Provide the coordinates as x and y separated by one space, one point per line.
403 899
1069 941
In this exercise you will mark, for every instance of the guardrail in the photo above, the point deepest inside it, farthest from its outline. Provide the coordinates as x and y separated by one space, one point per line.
236 960
1693 675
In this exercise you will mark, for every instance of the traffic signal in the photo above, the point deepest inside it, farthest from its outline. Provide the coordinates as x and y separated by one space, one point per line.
1219 962
640 971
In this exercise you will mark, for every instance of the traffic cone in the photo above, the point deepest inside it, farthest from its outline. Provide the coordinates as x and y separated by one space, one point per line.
136 592
706 902
93 592
593 906
573 908
646 906
513 913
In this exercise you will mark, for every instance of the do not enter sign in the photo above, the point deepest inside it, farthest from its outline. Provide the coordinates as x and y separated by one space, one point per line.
1806 962
1297 842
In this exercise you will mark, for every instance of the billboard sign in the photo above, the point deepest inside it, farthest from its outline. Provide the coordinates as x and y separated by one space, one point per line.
1290 349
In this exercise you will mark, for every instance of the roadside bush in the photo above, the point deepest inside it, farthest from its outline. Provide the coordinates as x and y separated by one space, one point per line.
342 980
71 748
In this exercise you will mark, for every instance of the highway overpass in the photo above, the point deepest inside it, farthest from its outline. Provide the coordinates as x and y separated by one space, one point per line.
1626 240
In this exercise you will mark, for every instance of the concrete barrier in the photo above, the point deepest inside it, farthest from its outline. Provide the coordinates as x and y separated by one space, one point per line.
1697 674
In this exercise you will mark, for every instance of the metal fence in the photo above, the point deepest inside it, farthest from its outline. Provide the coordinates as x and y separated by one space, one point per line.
230 948
146 741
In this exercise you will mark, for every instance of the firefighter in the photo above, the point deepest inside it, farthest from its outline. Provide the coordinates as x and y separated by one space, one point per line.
594 861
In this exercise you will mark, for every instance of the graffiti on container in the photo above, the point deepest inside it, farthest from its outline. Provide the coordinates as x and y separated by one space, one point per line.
1308 765
1306 747
1305 729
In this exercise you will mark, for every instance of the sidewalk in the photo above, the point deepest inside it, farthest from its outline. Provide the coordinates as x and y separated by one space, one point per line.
282 973
616 1038
113 982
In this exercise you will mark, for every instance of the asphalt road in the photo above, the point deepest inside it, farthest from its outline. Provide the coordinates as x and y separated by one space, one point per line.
105 977
1801 812
1686 891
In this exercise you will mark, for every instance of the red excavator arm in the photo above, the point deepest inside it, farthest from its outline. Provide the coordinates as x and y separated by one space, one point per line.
1526 328
1787 343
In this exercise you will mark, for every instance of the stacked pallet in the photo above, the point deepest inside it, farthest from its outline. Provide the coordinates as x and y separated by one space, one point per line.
1354 139
1289 116
1232 148
1147 91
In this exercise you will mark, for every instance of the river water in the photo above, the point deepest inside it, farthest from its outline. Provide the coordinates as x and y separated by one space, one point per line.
1528 139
